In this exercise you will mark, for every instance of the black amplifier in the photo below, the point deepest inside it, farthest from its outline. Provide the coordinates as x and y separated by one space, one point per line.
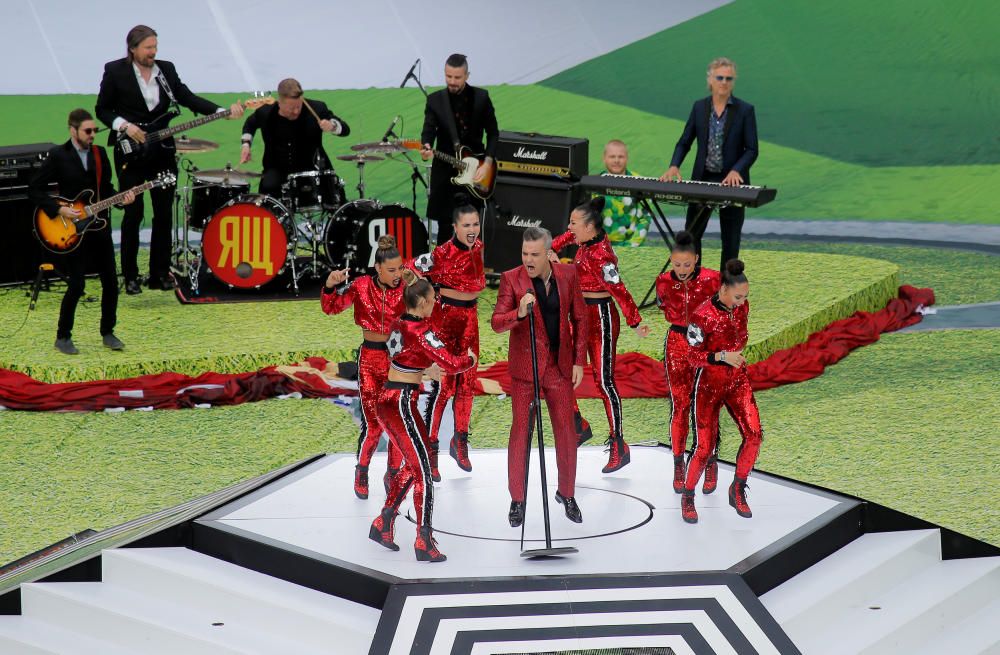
528 153
18 165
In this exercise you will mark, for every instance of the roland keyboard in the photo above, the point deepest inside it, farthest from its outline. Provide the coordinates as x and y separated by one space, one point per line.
710 193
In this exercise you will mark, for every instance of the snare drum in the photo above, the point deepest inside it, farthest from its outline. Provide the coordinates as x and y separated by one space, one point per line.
351 235
311 191
248 242
208 195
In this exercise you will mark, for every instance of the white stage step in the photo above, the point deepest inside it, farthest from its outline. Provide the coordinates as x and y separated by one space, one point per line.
979 634
884 594
201 582
20 635
174 600
871 562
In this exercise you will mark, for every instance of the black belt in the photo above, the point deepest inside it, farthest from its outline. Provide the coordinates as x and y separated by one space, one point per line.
374 345
405 386
680 329
597 301
455 302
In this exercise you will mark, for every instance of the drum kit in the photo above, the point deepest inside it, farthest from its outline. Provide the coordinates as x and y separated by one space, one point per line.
247 240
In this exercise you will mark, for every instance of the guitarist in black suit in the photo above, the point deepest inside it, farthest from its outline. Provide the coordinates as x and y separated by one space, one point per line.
75 166
136 90
293 142
459 114
726 130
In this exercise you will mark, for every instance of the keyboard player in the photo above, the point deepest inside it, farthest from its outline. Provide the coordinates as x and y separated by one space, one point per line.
726 130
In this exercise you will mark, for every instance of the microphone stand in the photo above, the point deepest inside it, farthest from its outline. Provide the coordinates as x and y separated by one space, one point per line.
415 78
536 407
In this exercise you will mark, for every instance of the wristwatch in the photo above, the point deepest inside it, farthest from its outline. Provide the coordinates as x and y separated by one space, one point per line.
722 356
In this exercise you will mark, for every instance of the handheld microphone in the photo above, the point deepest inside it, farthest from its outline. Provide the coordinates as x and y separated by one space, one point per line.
388 133
410 74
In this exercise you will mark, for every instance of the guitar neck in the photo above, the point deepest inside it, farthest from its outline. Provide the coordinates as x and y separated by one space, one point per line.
454 161
98 207
166 132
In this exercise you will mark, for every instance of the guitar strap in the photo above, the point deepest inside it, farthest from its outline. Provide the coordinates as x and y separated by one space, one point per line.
98 169
166 87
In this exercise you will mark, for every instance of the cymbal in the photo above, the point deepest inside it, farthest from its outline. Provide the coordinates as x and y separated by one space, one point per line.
362 158
184 144
225 175
377 146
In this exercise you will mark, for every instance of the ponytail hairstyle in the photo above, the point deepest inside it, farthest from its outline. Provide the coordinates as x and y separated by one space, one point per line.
684 242
463 209
417 288
386 249
591 213
732 273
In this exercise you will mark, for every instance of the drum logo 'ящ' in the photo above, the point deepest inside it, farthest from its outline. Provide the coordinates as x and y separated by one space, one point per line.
245 239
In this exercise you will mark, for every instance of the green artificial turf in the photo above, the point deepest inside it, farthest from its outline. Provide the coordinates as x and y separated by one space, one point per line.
810 186
873 83
163 335
65 472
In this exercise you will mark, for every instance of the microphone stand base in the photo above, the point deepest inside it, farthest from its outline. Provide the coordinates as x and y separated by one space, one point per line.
538 553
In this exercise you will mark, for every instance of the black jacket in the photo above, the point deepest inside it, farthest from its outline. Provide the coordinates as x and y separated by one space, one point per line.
739 145
120 95
310 136
63 166
439 123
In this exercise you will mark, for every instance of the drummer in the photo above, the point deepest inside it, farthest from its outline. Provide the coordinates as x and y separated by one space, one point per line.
292 134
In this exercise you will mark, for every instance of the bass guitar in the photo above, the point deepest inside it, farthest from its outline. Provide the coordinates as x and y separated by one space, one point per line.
62 235
468 166
157 131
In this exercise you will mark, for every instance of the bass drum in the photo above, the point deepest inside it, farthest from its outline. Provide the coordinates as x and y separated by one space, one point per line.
248 242
351 235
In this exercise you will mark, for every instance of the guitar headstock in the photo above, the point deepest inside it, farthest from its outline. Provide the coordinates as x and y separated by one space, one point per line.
259 99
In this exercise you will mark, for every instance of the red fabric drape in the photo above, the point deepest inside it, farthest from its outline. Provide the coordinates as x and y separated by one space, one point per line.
638 376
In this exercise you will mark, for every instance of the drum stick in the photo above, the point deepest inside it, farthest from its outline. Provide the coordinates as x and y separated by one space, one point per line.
311 110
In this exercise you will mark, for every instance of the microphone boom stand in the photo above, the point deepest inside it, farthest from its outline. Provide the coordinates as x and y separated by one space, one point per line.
536 406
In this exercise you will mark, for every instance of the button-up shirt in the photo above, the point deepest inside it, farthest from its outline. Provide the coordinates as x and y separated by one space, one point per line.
716 135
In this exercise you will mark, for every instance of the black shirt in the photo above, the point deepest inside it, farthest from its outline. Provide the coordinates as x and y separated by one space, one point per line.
548 304
295 146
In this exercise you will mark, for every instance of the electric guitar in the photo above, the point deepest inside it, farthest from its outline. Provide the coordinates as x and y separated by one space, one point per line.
62 235
157 131
468 165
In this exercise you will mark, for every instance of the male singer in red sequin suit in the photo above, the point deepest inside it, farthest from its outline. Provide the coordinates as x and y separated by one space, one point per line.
602 287
456 268
679 292
552 292
377 300
717 334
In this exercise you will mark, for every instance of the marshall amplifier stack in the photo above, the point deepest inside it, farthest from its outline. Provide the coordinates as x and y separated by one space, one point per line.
537 186
20 252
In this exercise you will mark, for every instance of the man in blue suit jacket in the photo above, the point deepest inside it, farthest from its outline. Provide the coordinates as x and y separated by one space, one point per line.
726 129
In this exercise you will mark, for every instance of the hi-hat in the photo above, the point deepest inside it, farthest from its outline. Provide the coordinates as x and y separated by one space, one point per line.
362 158
377 147
184 144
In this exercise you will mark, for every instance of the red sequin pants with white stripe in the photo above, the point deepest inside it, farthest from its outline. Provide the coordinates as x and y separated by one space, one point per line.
457 323
715 386
602 345
397 409
373 371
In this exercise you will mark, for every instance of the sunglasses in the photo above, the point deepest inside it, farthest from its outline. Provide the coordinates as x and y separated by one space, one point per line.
724 78
87 130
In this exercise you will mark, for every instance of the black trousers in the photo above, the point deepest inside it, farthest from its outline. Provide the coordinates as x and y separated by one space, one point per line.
98 247
730 223
444 198
162 200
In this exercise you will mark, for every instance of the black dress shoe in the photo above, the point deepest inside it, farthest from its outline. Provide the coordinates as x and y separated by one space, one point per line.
573 512
166 283
66 347
132 287
516 515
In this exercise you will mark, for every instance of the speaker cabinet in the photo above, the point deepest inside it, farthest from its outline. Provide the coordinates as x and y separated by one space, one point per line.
522 202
